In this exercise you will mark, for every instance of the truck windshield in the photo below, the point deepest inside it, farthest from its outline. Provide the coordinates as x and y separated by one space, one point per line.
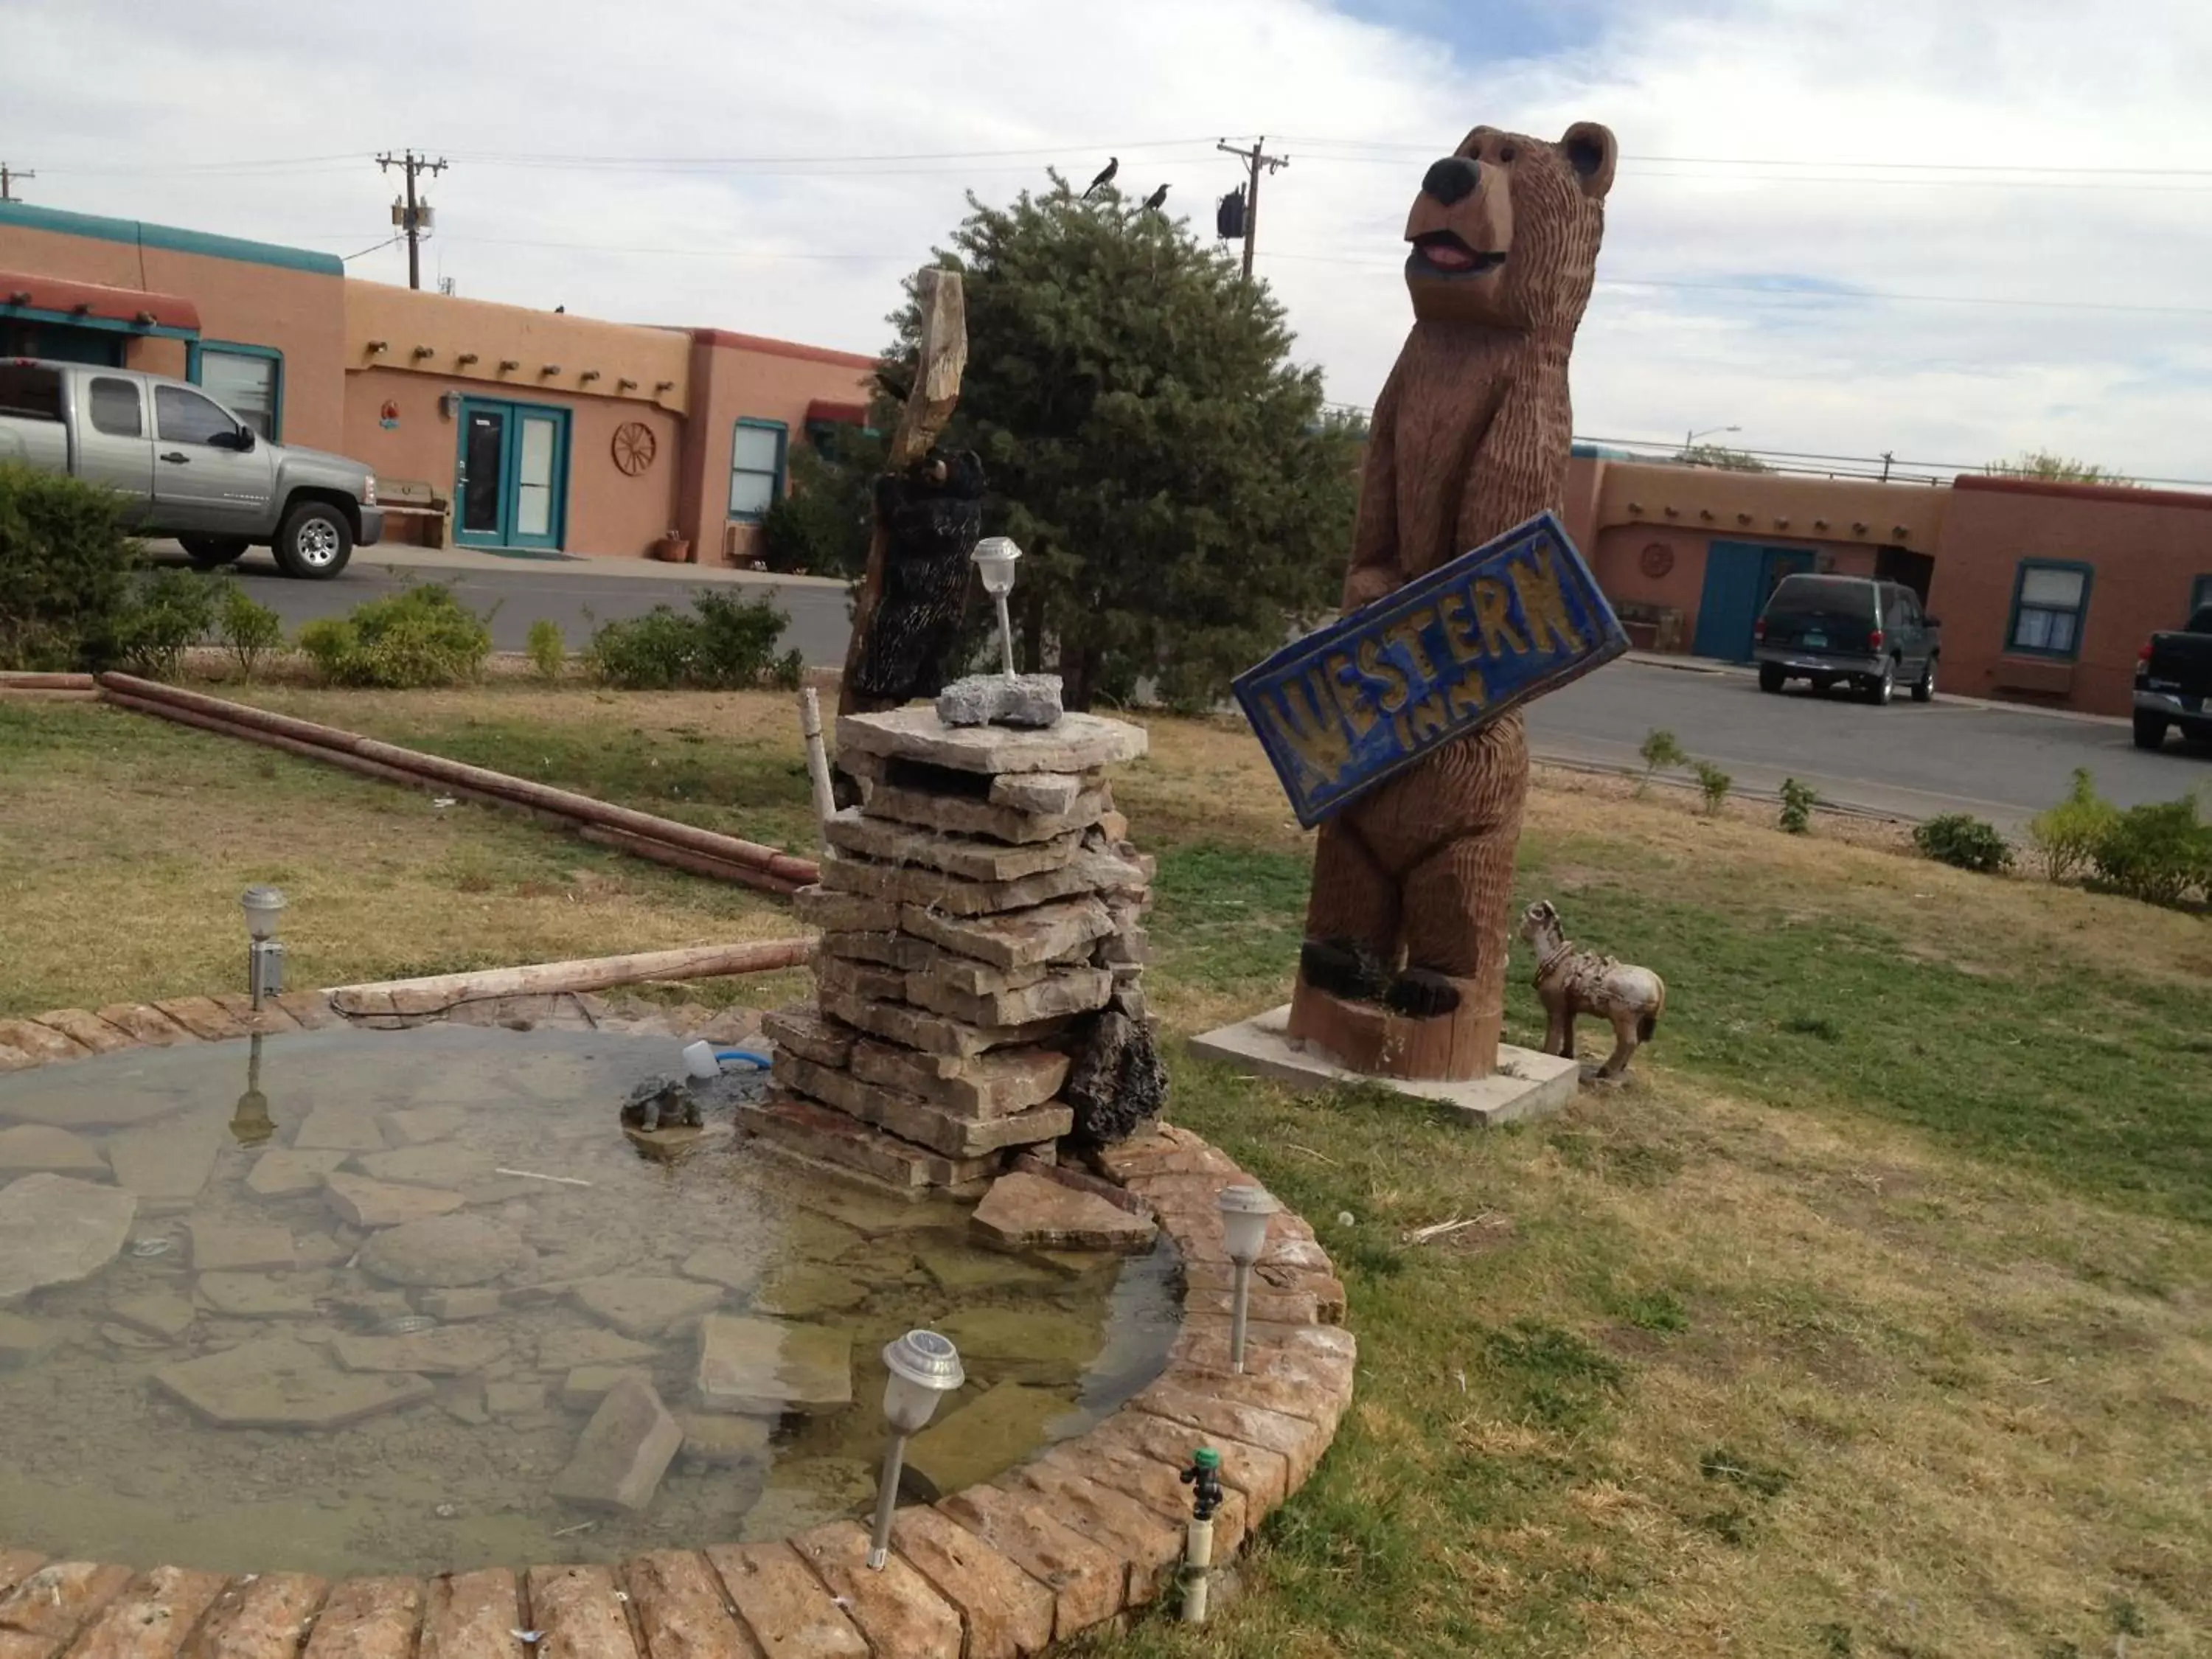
1806 597
30 391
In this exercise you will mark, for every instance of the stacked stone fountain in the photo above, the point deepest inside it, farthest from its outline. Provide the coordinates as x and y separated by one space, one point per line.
980 953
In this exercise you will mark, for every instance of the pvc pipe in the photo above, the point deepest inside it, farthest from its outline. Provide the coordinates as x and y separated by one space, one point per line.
818 757
1239 1296
1197 1568
760 1062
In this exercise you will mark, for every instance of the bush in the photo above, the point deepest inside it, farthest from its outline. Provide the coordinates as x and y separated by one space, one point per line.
548 651
170 611
65 572
1798 801
2067 835
1660 752
822 524
251 630
2158 854
1715 783
423 637
1965 842
727 643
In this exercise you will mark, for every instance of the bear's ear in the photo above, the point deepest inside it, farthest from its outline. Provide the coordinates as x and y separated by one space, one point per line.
1591 150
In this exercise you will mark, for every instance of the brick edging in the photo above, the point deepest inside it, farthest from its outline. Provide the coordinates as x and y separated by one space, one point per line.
1088 1530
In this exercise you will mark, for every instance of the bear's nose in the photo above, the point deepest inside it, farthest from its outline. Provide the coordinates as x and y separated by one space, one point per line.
1452 179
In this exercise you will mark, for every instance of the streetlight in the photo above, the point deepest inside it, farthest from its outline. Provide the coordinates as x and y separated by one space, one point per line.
1690 438
1244 1213
924 1368
264 963
994 557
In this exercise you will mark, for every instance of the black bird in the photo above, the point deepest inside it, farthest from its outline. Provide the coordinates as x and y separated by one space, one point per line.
1157 199
1105 176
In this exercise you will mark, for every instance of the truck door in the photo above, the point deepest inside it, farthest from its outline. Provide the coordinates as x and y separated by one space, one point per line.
114 444
204 480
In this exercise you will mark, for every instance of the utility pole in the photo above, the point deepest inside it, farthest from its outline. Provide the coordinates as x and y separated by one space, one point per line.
8 178
412 219
1255 159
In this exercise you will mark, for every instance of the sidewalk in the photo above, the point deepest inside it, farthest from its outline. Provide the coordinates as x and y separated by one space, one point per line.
401 556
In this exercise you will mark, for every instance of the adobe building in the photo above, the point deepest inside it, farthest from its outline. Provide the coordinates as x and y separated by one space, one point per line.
2046 590
492 426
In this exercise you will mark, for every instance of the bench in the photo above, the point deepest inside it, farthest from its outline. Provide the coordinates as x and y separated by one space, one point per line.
416 506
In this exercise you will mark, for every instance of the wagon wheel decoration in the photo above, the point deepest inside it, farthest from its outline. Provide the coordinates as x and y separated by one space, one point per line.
634 446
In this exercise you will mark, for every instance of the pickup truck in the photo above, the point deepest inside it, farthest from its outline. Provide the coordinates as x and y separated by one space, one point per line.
187 467
2174 683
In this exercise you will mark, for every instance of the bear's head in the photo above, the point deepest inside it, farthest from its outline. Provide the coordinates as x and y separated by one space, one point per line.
1506 229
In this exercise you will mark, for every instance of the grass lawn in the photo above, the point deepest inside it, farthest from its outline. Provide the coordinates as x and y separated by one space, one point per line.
1870 1319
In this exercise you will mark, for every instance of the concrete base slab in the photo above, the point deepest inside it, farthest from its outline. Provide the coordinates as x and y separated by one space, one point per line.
1526 1084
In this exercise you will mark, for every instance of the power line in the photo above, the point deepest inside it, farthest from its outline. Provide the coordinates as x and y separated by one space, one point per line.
8 178
414 219
1256 160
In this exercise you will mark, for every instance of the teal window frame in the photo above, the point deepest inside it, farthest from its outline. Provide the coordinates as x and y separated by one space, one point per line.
2080 612
782 464
198 349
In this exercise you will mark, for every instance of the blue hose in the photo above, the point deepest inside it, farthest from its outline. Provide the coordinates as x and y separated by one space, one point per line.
758 1062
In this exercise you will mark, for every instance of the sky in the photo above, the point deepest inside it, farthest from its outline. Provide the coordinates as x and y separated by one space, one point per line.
1948 229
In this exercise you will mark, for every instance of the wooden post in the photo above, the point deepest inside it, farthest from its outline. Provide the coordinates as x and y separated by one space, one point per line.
929 405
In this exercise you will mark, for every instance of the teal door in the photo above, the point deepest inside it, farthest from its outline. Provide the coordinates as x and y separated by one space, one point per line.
1739 578
511 480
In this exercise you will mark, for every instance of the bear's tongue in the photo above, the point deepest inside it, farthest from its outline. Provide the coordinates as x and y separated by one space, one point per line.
1448 253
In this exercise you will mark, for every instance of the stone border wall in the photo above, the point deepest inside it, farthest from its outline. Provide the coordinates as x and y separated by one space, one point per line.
1078 1537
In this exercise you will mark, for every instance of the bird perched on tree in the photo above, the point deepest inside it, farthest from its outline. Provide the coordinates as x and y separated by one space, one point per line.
1157 199
1105 176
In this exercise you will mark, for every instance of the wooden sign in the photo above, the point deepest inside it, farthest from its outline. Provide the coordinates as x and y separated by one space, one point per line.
1342 709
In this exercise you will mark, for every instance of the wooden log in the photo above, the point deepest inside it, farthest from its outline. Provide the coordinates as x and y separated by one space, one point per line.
152 1617
682 858
24 679
438 992
929 404
33 694
262 1618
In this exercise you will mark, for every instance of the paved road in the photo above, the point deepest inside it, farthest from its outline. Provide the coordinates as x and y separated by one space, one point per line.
1912 759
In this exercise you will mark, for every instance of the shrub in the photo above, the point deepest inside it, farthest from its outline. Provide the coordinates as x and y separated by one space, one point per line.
1715 783
1660 752
2066 836
170 611
548 651
1963 842
2158 854
727 643
251 630
65 572
1798 801
423 636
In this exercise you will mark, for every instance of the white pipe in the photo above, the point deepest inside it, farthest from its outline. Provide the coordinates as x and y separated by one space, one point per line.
818 757
1197 1567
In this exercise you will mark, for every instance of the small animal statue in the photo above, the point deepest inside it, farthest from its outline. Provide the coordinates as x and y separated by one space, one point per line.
661 1103
1570 982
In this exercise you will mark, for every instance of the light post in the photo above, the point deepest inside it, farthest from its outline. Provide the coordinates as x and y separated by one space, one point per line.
924 1368
1689 439
251 1124
1244 1213
264 963
994 557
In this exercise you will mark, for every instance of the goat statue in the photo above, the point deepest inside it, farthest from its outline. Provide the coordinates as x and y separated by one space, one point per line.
1570 982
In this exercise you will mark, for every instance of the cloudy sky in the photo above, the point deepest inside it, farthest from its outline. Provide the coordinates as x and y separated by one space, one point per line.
1947 229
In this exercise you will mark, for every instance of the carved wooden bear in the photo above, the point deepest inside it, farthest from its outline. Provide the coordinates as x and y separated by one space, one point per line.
1403 971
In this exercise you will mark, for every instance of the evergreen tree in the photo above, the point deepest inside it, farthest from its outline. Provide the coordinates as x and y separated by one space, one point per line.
1182 496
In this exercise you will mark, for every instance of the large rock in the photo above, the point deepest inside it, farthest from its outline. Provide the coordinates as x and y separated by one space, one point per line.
764 1367
339 1129
982 1085
805 1290
725 1441
843 913
57 1230
435 1164
562 1351
1049 932
1089 872
965 815
157 1313
641 1306
166 1164
917 1121
1075 743
1072 990
1034 1342
22 1341
726 1265
360 1202
984 1437
279 1383
443 1252
415 1126
1044 793
1025 1212
822 1134
623 1451
37 1148
260 1296
804 1032
222 1247
448 1351
956 855
1030 701
284 1173
937 1034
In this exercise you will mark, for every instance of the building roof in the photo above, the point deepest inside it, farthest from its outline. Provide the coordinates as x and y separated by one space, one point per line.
96 302
2126 494
138 233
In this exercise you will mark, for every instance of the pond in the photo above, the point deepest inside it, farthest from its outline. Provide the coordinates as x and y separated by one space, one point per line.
347 1302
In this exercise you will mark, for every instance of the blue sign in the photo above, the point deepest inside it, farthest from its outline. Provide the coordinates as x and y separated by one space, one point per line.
1342 709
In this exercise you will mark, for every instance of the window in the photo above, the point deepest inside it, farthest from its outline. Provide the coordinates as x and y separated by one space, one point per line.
185 418
116 409
30 391
247 380
755 469
2049 601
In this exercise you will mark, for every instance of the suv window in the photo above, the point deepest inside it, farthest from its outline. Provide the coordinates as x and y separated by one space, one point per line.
116 409
185 418
1823 596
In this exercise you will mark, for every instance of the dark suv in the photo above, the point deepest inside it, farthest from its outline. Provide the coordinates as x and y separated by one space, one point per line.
1828 628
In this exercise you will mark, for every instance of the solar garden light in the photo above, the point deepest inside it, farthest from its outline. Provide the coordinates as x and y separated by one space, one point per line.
264 965
250 1123
924 1366
1244 1213
994 557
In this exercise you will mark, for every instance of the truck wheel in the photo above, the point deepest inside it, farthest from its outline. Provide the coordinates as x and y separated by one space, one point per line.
315 542
1923 689
212 552
1880 690
1769 678
2150 731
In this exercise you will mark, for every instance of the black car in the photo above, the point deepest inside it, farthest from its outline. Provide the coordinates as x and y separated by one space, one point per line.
2174 683
1832 629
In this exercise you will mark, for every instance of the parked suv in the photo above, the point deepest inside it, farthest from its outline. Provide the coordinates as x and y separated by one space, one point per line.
2174 683
1831 628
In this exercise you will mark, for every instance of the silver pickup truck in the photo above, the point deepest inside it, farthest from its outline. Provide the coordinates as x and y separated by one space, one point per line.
188 466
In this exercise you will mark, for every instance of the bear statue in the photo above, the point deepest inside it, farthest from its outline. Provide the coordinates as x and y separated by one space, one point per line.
1403 969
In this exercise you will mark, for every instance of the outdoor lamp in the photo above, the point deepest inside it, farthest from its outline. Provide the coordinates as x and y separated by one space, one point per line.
265 963
924 1366
994 557
251 1124
1244 1213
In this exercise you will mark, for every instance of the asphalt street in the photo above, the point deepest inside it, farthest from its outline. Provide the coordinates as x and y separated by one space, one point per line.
1912 760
